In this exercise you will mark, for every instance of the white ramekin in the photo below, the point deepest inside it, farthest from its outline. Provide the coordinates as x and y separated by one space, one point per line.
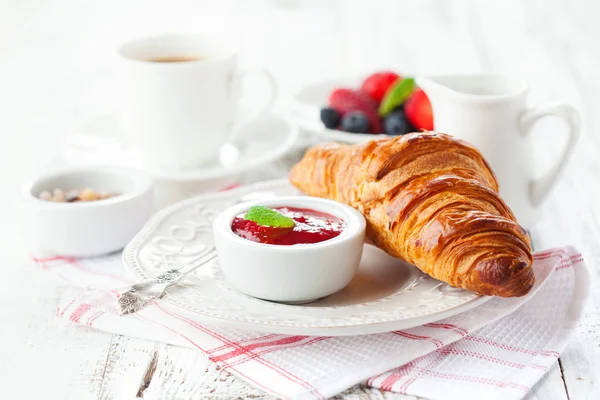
290 274
85 229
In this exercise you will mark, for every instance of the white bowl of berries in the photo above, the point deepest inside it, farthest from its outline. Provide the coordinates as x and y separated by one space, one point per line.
354 111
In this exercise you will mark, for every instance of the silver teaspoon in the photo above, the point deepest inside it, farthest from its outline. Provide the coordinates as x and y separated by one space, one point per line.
143 293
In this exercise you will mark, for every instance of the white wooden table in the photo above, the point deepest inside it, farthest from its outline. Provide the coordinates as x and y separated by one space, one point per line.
55 71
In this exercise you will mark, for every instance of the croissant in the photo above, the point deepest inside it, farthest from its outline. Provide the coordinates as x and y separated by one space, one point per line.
431 200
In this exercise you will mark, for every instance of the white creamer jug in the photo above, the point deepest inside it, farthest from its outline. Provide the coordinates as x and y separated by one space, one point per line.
490 112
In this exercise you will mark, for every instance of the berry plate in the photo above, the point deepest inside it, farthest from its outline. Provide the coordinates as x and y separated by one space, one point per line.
385 295
304 107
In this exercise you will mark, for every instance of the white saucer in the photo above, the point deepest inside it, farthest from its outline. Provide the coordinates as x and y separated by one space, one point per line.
262 141
304 107
385 295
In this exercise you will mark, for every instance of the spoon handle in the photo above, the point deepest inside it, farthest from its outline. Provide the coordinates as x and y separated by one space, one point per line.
145 292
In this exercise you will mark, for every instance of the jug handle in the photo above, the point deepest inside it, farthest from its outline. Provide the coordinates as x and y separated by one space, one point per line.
539 189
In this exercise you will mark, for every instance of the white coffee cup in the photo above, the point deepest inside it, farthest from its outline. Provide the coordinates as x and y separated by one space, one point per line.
178 99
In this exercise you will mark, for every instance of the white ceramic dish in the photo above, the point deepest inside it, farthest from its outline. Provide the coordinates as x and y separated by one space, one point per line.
386 294
262 141
290 274
85 229
259 143
304 108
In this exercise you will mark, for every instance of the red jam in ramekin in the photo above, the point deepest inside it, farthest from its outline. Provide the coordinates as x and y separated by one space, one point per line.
310 227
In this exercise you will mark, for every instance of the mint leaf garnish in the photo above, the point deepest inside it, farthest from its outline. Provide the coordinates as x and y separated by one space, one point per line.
267 217
396 95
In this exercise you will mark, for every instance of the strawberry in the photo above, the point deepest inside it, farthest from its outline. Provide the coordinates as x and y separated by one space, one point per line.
377 84
347 100
418 110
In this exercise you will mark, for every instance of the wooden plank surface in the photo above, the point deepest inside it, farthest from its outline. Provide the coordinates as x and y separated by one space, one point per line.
55 72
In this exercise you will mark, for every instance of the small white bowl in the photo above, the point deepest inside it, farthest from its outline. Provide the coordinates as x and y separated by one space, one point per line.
299 273
85 229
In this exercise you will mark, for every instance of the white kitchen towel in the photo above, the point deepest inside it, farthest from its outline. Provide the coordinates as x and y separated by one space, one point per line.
498 350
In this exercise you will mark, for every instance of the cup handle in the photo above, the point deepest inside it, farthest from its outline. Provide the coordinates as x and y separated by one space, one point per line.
539 189
238 79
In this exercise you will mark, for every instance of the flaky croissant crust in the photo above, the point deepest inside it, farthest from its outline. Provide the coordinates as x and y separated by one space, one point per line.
430 200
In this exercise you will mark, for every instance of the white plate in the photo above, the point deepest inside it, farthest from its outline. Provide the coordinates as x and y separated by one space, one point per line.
386 294
305 106
260 142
